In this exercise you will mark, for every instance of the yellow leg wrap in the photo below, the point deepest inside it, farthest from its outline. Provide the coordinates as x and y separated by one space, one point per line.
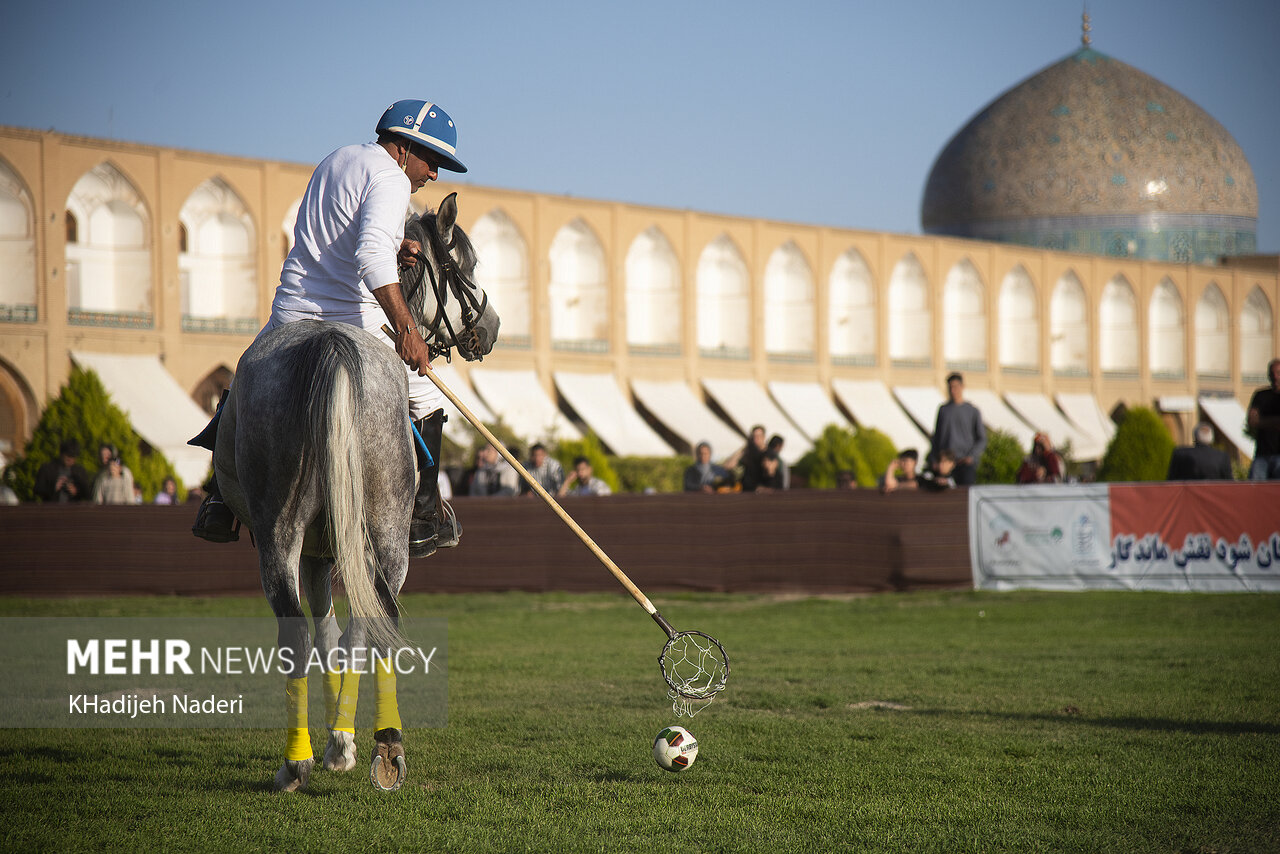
299 744
345 719
387 711
332 685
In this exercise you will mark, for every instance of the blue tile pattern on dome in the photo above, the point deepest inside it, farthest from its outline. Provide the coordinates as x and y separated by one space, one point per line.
1093 155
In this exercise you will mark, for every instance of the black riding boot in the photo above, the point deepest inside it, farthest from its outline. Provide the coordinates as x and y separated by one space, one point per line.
434 525
214 520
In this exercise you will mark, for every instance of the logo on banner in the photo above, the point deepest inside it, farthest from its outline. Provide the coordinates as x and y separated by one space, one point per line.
1083 536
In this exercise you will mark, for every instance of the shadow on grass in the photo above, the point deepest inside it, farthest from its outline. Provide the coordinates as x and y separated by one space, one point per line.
1128 723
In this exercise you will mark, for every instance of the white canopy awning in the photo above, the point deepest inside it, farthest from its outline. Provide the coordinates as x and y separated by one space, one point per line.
456 428
809 406
873 406
921 402
1083 411
1230 418
160 410
1041 414
601 404
518 399
1176 403
747 403
683 413
997 415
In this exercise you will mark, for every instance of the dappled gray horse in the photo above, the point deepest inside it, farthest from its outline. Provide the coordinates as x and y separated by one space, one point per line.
315 454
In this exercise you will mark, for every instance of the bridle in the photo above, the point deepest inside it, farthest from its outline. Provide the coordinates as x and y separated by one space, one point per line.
451 279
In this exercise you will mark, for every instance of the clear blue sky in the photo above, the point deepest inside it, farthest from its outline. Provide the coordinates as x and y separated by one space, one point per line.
828 113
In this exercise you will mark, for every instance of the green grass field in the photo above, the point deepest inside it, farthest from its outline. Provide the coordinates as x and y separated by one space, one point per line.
925 722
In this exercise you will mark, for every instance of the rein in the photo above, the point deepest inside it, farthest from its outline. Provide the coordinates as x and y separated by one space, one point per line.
451 279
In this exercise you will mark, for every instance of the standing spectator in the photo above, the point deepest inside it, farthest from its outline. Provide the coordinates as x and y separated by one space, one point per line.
493 475
749 458
846 479
583 481
1264 423
545 469
1201 461
704 475
901 473
168 493
1042 465
114 484
959 430
62 480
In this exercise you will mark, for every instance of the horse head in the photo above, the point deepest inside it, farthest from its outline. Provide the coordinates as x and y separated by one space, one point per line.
451 310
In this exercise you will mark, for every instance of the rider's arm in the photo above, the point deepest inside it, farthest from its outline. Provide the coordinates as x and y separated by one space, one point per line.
409 344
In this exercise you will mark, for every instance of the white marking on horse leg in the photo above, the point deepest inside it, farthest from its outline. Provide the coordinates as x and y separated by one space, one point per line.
293 775
340 754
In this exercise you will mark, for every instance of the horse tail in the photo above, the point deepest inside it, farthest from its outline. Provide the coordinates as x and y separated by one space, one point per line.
337 456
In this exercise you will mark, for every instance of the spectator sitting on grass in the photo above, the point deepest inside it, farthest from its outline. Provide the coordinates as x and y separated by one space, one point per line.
583 482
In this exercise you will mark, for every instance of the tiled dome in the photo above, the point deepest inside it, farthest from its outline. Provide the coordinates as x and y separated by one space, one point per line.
1093 155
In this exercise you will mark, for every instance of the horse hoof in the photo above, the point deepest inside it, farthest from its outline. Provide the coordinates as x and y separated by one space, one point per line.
340 754
293 775
388 770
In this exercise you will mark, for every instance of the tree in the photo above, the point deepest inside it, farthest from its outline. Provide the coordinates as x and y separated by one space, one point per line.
83 411
1140 450
1002 458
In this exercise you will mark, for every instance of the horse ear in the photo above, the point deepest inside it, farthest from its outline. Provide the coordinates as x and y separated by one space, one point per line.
446 217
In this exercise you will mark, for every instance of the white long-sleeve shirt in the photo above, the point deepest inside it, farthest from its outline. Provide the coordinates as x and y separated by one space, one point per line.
349 228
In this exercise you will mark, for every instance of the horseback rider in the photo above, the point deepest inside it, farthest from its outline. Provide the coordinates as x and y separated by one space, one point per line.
344 267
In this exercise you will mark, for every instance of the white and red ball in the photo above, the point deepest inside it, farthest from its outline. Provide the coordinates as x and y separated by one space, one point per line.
675 748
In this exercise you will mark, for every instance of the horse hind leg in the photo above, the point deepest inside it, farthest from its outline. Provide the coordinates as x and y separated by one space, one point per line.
340 751
282 593
388 768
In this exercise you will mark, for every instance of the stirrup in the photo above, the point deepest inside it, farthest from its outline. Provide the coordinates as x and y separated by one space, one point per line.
448 532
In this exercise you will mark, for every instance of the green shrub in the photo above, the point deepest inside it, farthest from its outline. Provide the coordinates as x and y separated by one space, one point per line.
83 411
864 451
569 450
836 450
1002 458
662 474
1140 450
877 451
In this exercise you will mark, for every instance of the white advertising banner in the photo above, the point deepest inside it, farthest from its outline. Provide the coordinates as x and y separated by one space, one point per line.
1047 537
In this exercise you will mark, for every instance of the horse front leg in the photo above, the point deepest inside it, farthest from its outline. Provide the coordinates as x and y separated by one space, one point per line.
388 769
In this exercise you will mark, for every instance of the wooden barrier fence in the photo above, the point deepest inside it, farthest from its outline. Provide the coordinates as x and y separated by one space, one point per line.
816 541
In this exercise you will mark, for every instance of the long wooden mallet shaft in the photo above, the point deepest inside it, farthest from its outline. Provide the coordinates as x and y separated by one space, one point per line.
631 588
